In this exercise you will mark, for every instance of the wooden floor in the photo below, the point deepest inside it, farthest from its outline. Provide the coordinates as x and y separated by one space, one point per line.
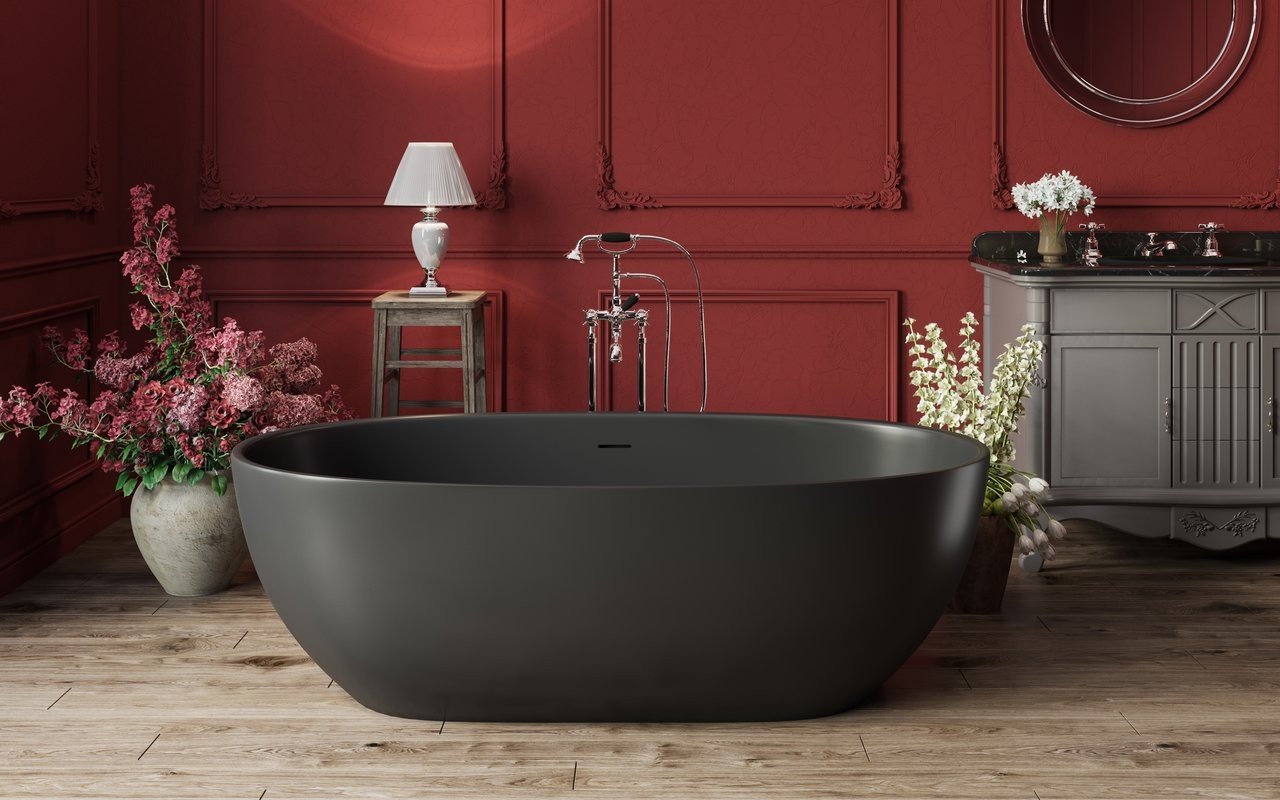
1127 669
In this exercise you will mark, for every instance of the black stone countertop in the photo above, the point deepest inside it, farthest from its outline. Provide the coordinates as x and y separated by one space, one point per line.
999 249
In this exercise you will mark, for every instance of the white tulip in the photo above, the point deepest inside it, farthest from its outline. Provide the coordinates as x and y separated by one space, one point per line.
1040 538
1038 485
1050 553
1018 490
1010 500
1025 543
1056 529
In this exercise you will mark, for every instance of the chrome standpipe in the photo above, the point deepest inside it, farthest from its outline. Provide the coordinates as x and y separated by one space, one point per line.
618 311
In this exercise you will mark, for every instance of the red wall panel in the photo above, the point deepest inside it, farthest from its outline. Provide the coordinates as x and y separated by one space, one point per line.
58 239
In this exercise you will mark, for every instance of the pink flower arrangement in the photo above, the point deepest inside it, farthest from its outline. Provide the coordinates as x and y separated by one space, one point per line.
179 405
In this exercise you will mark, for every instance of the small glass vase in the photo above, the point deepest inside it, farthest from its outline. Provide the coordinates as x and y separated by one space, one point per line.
1053 239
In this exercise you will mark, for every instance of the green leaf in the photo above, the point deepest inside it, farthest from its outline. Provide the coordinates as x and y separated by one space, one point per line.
130 485
195 476
180 471
42 430
120 480
220 484
158 472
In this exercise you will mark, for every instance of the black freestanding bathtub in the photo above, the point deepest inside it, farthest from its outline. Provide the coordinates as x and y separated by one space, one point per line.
618 567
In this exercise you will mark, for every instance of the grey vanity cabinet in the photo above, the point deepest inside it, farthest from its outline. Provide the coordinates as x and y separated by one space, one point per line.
1110 425
1159 414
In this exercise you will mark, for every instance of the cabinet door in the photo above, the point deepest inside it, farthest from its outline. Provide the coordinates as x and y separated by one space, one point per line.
1111 411
1216 416
1270 412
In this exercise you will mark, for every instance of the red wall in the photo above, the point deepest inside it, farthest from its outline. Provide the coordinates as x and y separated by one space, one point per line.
827 163
60 233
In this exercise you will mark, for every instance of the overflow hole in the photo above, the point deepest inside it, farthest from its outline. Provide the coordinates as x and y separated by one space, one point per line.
612 446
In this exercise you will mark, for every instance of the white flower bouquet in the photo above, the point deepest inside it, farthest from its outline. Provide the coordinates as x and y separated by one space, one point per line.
1062 194
951 396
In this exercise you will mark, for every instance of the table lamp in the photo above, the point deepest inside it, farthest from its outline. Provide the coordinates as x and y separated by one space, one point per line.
430 177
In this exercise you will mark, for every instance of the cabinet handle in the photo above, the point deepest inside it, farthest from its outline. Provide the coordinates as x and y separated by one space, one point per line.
1168 417
1271 415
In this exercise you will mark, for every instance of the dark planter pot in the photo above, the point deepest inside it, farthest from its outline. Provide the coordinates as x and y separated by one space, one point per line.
981 589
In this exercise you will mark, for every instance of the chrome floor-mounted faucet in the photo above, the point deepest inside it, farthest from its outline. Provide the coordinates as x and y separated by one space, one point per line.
620 310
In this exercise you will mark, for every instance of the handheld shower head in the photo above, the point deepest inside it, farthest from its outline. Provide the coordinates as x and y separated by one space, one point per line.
576 253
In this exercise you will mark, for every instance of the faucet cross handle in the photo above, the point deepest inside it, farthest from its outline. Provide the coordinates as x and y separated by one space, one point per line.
1211 230
1093 226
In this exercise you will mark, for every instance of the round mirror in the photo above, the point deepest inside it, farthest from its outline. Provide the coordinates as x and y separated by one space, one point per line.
1141 62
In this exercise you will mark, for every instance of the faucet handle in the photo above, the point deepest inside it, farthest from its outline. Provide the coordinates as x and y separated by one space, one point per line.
1212 227
1093 226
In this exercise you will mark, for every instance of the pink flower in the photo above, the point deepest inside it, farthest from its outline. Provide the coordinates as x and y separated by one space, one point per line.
103 403
188 406
221 414
70 406
287 410
21 408
140 315
149 396
111 344
242 392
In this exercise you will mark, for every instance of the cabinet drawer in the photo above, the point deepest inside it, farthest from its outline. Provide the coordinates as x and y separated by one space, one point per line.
1215 311
1218 528
1109 311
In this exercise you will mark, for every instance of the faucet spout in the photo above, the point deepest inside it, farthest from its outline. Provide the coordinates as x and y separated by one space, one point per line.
1154 248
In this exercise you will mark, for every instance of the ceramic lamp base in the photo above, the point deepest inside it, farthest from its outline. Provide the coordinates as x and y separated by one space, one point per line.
430 243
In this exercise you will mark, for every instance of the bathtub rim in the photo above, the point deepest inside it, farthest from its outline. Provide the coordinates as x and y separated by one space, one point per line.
239 453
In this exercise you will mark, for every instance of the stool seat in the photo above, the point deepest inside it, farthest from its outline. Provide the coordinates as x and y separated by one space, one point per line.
396 310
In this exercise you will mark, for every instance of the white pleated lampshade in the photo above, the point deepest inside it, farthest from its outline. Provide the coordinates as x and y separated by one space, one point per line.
430 174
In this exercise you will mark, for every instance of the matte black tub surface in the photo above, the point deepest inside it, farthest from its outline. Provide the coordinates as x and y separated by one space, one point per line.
611 566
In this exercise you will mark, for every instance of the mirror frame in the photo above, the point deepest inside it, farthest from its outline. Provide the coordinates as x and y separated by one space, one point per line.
1183 104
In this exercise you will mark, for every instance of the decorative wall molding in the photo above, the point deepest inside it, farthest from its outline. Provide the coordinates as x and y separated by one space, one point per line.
1263 201
494 311
36 266
735 252
888 196
214 197
887 298
89 199
90 308
1000 197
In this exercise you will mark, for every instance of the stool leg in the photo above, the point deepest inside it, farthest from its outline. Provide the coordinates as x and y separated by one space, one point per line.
468 364
393 378
482 395
379 360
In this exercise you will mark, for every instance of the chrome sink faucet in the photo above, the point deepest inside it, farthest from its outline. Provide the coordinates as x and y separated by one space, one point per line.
1154 248
1210 248
1091 250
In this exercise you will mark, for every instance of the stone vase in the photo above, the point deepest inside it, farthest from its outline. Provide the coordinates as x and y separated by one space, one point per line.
981 589
190 537
1053 237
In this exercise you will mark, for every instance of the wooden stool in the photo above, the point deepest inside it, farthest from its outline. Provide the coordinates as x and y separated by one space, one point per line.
393 311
